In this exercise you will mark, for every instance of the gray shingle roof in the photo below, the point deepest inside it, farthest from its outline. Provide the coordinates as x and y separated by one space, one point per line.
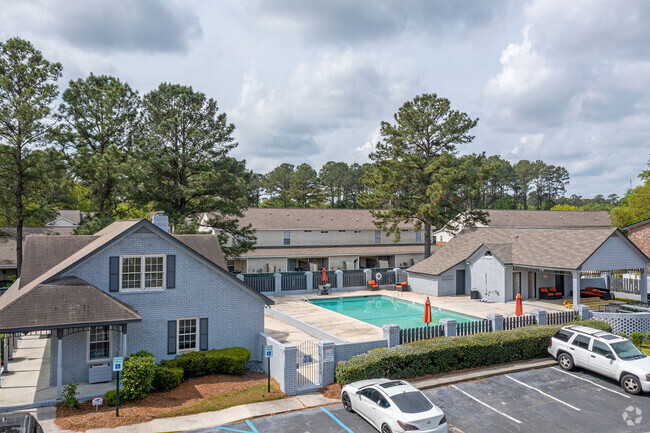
560 248
41 253
547 218
319 251
307 218
206 245
62 303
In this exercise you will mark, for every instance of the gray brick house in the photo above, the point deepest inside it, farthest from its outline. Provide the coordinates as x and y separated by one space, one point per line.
132 286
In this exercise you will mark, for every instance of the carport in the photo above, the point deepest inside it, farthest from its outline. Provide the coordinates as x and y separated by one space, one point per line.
64 307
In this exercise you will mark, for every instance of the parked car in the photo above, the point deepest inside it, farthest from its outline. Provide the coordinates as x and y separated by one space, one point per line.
393 406
19 423
604 353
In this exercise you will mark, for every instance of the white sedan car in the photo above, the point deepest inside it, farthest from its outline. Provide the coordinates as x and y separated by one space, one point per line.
393 406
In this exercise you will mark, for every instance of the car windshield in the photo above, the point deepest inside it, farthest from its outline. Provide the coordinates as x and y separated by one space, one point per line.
627 350
411 402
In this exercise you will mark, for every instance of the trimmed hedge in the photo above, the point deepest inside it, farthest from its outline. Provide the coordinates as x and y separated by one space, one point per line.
110 398
137 376
165 378
232 360
440 355
192 363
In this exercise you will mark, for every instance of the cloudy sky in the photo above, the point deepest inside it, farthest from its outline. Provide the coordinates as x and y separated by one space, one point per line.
567 82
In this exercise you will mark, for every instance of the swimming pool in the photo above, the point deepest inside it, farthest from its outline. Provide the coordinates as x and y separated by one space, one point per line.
380 310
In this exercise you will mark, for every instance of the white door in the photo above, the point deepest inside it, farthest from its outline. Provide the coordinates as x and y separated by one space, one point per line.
516 283
599 362
531 286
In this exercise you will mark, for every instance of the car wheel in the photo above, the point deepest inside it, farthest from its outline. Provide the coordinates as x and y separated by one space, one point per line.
566 361
347 404
386 429
631 384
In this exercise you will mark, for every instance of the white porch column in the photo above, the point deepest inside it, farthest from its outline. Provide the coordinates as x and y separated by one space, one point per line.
59 363
643 285
125 353
575 277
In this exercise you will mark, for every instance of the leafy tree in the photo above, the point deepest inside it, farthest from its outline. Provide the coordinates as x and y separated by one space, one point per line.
100 125
277 184
305 189
635 205
333 177
564 207
353 185
416 174
186 167
28 88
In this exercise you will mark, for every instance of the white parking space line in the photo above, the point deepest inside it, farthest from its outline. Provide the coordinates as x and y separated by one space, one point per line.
486 405
543 393
593 383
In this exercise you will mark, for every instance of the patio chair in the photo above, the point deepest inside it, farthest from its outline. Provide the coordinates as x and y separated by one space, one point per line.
554 293
324 289
372 285
402 287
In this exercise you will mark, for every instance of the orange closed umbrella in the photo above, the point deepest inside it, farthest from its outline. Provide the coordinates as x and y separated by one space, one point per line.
427 311
324 279
519 307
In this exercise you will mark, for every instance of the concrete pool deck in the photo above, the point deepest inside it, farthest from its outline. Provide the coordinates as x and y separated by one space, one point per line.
354 330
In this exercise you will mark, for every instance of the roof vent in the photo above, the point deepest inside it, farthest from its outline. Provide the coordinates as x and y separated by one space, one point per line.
331 219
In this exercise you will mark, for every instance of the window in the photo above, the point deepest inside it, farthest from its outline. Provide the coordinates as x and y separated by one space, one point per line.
377 236
99 343
412 402
371 394
488 254
231 265
187 334
307 231
418 236
581 341
357 231
341 231
286 238
563 335
600 348
292 265
324 231
142 272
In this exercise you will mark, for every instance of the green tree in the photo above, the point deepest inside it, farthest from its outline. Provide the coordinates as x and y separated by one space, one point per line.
416 174
186 167
333 176
100 116
28 89
277 184
305 189
635 205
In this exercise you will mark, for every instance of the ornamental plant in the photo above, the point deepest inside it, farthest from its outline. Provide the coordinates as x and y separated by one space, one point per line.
137 376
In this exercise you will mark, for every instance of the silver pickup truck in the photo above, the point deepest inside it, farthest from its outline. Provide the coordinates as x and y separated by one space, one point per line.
604 353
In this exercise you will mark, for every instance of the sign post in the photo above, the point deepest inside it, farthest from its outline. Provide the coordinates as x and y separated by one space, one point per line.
268 354
118 363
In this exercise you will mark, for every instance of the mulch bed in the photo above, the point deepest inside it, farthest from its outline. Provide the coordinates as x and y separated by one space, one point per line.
156 404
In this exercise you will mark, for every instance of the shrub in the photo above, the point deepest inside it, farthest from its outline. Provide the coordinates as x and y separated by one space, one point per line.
137 376
166 378
232 360
623 335
439 355
70 395
142 354
647 337
110 398
192 363
637 338
169 363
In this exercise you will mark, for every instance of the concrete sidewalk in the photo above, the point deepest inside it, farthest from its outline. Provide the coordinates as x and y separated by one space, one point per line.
237 413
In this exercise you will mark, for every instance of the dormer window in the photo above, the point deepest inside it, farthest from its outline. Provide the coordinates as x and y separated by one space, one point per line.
145 272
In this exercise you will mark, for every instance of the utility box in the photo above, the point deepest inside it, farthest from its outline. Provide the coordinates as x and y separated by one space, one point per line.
100 373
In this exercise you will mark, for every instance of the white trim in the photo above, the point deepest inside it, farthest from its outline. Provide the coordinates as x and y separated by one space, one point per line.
110 347
178 334
142 258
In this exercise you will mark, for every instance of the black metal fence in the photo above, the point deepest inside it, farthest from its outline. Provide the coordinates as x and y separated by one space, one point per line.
559 318
294 281
475 327
424 333
354 278
517 322
260 282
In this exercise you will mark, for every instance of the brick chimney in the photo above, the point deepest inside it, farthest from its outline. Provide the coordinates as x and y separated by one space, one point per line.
161 221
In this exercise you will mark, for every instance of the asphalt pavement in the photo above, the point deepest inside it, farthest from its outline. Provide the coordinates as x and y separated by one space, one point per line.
544 400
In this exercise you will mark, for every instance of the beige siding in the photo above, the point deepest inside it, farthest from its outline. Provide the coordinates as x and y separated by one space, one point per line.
255 264
275 238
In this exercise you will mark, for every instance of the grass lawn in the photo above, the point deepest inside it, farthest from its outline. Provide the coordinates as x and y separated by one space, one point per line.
253 394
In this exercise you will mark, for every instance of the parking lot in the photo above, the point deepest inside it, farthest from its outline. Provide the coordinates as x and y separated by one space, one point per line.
545 400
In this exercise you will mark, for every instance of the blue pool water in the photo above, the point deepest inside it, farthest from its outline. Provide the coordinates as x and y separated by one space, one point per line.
380 310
